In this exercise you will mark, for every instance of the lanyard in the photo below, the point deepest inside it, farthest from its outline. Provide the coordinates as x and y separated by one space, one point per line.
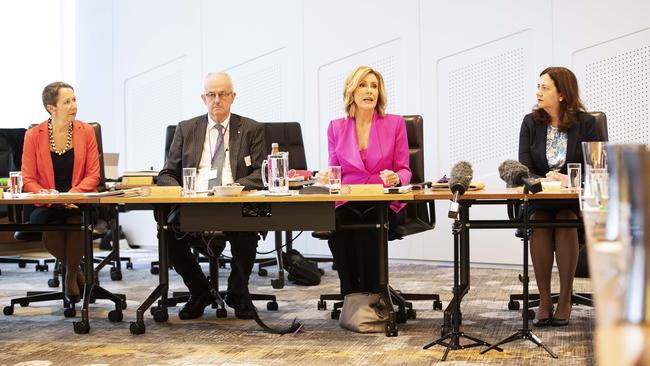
212 154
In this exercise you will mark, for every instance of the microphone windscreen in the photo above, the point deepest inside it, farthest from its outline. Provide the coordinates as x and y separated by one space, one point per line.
511 172
461 176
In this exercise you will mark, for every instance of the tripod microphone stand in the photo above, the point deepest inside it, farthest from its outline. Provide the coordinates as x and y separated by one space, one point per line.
451 340
525 332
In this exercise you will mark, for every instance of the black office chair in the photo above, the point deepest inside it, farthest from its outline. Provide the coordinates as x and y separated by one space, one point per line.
288 135
214 258
11 145
582 269
420 216
113 258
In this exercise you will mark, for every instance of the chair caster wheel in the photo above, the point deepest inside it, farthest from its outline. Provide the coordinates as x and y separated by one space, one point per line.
336 314
263 272
154 270
53 282
22 265
272 306
437 305
69 312
277 283
8 310
222 313
411 314
137 328
322 305
513 305
400 317
391 331
160 316
129 265
24 304
42 268
115 316
81 327
531 314
153 309
116 275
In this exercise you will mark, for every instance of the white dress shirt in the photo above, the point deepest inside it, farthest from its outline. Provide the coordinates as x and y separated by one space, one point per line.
205 171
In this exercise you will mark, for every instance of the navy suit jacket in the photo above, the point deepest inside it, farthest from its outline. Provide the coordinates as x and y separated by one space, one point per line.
532 142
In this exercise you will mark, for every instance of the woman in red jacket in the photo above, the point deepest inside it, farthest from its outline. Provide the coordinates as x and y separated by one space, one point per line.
60 155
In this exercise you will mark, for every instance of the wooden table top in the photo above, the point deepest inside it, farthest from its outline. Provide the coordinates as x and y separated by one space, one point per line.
494 193
252 197
425 195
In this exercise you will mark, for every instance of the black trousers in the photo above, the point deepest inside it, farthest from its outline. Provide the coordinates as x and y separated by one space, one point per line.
243 246
355 251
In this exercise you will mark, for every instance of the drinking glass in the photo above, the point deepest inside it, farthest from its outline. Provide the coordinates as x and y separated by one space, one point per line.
334 179
189 181
575 179
16 183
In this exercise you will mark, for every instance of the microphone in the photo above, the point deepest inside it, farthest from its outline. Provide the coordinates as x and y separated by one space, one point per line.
516 174
459 180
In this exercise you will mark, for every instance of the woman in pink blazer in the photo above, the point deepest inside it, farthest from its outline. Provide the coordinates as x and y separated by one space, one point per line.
60 155
371 148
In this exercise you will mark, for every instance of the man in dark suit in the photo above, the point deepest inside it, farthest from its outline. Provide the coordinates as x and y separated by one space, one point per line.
224 148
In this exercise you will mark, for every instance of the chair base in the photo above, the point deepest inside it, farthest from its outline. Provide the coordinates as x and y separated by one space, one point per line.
577 298
401 300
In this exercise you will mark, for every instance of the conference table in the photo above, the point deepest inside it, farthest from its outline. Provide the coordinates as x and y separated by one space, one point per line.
86 204
292 212
497 197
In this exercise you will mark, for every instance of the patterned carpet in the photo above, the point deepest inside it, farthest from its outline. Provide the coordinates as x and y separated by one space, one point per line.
41 335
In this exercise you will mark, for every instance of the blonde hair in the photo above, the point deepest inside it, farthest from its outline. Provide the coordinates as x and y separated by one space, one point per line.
351 84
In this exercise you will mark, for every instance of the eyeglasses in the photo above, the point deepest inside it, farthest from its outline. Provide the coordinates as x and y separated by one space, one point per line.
221 94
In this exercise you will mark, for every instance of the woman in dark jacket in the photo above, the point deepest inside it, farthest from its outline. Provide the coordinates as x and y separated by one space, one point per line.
550 137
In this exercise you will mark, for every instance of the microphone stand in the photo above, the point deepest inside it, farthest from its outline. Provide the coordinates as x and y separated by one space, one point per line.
456 334
524 332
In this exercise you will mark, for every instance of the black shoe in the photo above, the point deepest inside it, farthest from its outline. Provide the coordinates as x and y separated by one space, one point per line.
545 322
559 322
195 306
243 308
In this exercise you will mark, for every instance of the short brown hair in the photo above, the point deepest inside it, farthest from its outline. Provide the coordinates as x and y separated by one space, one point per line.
351 84
567 86
51 93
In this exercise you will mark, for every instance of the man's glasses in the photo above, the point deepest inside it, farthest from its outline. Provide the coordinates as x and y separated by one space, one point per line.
221 95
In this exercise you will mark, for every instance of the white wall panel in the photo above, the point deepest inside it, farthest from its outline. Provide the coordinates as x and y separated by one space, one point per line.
469 68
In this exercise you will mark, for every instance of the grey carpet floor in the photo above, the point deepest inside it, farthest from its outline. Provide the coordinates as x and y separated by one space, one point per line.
41 335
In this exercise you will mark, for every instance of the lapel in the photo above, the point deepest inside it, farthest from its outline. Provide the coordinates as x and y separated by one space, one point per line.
540 133
44 152
79 145
374 152
199 139
234 142
350 144
572 142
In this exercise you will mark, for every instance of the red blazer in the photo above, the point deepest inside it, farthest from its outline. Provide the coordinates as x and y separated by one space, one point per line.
37 169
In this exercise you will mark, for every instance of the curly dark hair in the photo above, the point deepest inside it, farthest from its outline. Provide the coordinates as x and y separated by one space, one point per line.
51 93
567 86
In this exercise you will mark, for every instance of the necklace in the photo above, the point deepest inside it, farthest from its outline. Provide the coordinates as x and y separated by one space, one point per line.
68 141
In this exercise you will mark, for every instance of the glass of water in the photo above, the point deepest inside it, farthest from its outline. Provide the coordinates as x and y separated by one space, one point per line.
334 179
574 172
189 181
16 183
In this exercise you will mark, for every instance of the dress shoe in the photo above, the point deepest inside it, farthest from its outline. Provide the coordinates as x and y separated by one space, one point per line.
195 306
545 322
72 293
559 322
243 308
